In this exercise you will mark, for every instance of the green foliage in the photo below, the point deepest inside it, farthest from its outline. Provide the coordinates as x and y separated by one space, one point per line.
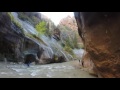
15 21
48 31
69 50
72 41
69 43
24 17
69 37
55 57
35 20
33 36
11 16
41 27
62 44
75 41
32 19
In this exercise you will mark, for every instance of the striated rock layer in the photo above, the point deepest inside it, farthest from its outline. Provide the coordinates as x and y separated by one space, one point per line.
100 32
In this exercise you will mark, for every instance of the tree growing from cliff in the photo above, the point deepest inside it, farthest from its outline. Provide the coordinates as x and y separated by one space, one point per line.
41 27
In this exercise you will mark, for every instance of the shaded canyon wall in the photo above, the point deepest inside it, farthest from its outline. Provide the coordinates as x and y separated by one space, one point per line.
100 32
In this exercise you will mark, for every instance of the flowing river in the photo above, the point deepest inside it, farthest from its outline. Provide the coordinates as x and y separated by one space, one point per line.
56 70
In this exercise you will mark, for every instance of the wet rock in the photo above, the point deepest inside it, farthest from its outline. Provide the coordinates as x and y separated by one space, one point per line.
54 59
39 53
45 58
19 42
58 59
87 64
56 34
61 59
100 34
10 39
13 43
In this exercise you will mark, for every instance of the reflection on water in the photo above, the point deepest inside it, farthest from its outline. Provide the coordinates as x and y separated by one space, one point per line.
57 70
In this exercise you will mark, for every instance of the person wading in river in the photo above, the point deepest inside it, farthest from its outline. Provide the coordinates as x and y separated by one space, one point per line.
29 59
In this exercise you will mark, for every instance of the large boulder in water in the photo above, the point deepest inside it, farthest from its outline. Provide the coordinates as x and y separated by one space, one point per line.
100 32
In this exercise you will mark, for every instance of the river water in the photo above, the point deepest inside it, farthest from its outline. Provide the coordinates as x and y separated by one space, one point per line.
56 70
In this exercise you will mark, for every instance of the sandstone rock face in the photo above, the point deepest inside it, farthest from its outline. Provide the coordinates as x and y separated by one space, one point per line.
69 22
87 64
68 28
100 32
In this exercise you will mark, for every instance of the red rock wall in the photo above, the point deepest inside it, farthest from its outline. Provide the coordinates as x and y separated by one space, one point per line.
100 32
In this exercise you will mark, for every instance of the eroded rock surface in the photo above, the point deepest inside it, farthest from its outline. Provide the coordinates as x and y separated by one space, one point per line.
20 42
100 32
